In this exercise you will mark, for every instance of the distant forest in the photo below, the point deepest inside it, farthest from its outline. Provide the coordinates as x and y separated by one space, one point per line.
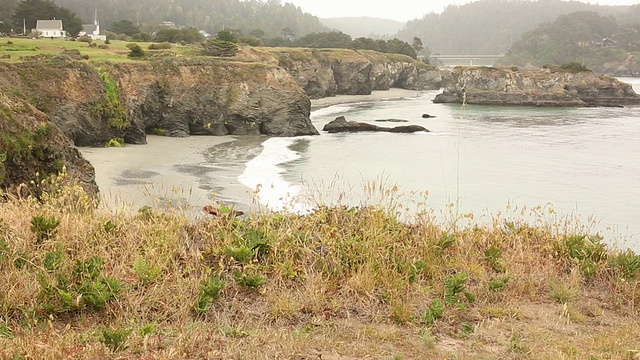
584 37
493 26
270 16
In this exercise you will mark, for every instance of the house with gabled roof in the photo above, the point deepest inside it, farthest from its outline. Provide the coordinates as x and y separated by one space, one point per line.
93 30
50 28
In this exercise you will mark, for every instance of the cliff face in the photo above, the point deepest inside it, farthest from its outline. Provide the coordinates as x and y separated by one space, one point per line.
209 97
493 86
49 106
177 98
329 72
32 147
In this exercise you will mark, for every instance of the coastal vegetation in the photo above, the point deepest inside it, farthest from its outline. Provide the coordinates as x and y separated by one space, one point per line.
494 26
340 281
584 37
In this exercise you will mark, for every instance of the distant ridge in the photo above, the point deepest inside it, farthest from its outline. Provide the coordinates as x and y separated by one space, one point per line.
364 26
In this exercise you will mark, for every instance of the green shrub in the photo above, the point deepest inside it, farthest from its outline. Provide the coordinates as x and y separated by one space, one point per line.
454 285
158 131
115 142
147 274
250 281
241 254
160 46
628 263
434 312
85 38
221 48
136 53
209 292
44 227
115 339
84 288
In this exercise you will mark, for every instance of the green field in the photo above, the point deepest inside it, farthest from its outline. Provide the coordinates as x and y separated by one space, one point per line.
117 51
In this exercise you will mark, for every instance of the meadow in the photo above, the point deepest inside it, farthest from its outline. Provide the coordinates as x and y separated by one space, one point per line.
338 283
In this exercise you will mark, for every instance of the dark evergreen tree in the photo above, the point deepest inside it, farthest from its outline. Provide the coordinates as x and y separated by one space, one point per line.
32 10
124 26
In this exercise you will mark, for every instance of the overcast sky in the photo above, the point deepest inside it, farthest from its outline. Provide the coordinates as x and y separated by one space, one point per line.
401 10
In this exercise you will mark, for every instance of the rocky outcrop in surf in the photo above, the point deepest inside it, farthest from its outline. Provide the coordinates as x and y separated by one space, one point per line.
341 125
547 87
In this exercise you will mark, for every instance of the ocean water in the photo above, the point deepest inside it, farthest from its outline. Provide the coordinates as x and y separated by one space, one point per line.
583 163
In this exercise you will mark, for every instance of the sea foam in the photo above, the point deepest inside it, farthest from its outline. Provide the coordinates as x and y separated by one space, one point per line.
264 174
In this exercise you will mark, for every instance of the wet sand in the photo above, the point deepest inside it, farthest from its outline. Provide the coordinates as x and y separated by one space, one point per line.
166 172
177 173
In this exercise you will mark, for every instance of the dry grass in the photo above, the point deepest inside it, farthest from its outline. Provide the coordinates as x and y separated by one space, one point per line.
340 283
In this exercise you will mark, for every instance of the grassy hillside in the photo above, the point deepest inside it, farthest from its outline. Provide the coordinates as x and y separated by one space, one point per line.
12 49
338 283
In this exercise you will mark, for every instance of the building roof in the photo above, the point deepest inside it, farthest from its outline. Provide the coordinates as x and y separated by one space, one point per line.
49 24
89 28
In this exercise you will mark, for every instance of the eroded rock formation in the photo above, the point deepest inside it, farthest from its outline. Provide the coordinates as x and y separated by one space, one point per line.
506 86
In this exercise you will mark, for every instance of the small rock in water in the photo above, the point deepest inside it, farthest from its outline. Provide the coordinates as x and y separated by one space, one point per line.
392 120
427 116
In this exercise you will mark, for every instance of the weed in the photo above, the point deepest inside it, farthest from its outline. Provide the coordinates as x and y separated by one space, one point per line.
517 345
115 339
146 274
158 131
563 292
588 251
5 331
44 227
427 338
52 260
109 227
628 263
209 292
445 242
84 288
493 256
499 284
250 281
434 312
467 328
148 329
241 254
454 285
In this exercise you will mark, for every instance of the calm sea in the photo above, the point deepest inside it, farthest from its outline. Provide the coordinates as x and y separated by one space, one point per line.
486 160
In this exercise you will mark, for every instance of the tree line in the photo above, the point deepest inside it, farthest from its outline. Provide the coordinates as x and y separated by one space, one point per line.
584 37
492 26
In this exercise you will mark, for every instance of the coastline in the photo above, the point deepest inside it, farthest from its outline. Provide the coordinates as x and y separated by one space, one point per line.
379 95
155 174
173 173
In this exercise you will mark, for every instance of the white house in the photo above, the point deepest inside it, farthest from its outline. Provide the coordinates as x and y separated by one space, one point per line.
93 30
50 29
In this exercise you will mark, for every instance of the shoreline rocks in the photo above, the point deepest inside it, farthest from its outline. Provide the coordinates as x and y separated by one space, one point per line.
505 86
341 125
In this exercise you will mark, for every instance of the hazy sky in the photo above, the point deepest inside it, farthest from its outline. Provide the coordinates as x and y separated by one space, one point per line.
401 10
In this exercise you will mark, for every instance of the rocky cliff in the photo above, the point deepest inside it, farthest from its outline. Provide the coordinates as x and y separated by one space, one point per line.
32 148
549 87
112 103
94 105
329 72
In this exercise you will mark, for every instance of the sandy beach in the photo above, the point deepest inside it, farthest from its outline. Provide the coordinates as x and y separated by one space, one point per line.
174 172
390 94
156 174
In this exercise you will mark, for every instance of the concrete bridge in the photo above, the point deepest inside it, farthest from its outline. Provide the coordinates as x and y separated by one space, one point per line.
478 60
